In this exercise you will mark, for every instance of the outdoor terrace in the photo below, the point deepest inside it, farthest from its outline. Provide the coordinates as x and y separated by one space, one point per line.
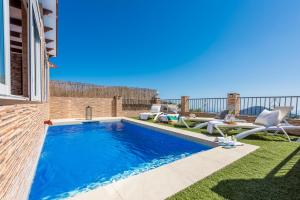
271 172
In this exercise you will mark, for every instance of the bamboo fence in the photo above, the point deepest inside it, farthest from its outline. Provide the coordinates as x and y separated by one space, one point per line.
75 89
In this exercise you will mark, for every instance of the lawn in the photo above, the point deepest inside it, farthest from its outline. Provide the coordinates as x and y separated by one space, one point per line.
271 172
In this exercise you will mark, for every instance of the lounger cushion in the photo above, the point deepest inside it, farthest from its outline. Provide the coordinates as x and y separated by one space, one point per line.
283 111
268 118
155 108
172 109
222 114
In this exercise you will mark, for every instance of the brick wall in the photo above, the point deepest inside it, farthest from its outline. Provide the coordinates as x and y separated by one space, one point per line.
74 107
16 73
185 107
21 138
233 103
117 107
133 113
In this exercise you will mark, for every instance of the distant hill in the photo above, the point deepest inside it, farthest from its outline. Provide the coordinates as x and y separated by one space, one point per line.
254 110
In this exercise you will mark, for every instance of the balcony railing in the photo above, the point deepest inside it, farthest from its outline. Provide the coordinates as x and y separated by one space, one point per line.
254 105
251 106
208 105
171 101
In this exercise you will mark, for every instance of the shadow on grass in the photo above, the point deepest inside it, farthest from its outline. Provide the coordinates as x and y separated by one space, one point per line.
283 182
268 137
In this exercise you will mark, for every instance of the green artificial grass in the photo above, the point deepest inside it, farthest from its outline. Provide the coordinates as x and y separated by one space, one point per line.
271 172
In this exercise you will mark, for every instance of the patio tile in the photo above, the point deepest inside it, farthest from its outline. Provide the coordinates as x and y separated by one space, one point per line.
196 167
227 156
105 192
154 184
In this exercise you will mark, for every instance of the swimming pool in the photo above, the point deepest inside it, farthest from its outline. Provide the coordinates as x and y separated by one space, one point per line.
80 157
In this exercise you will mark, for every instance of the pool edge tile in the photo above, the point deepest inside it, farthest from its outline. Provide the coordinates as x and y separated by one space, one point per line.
105 192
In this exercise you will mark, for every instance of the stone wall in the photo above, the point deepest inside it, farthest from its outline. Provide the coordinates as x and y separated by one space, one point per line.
21 139
74 107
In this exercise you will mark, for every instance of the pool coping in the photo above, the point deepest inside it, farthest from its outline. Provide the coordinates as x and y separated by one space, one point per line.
166 180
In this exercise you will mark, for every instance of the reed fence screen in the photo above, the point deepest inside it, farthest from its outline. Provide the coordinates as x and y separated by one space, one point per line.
74 89
133 98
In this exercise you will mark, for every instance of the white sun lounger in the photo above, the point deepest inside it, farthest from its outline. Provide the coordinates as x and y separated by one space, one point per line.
283 126
182 120
205 120
204 124
154 112
277 129
255 128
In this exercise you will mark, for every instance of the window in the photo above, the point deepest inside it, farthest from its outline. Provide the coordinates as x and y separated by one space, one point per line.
36 61
2 56
46 81
4 49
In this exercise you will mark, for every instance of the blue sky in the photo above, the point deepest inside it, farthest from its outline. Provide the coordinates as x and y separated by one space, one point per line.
197 48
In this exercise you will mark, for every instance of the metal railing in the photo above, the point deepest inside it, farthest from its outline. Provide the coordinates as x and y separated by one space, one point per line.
171 101
254 105
209 105
251 106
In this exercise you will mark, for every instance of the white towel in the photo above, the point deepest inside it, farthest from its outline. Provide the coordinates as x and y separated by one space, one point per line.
227 142
144 116
163 118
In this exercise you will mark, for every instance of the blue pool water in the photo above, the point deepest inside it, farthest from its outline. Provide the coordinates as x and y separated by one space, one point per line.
81 157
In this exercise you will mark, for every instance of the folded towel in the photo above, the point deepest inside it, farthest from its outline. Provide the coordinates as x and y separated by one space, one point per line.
227 142
172 118
163 118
